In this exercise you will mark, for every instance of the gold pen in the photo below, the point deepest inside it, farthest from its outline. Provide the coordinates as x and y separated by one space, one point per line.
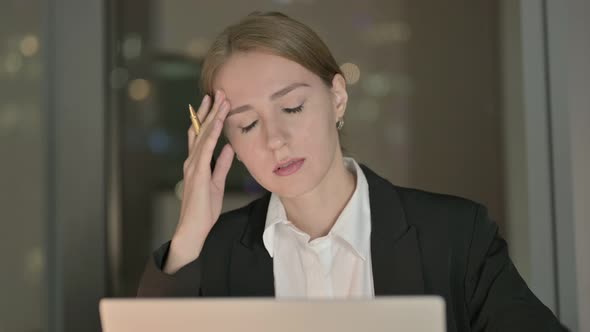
194 119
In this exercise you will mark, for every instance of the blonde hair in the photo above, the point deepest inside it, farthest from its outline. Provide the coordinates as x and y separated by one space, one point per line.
277 34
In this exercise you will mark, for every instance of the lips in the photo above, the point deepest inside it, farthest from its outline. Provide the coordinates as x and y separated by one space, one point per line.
287 163
289 166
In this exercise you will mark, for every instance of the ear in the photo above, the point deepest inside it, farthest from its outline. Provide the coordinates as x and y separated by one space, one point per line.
339 95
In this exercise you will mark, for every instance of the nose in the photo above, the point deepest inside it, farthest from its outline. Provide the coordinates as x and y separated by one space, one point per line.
275 137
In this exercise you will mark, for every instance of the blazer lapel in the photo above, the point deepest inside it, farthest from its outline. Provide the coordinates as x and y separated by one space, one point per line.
397 266
251 267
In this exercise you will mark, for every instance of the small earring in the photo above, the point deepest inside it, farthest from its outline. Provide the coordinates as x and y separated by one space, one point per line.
340 124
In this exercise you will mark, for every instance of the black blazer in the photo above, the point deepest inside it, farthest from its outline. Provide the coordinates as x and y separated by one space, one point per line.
421 243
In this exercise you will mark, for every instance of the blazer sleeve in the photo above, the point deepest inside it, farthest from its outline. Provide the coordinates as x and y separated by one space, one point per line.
497 297
156 283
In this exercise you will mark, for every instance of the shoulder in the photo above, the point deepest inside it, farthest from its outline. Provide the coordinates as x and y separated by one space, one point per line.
432 212
453 232
422 205
438 216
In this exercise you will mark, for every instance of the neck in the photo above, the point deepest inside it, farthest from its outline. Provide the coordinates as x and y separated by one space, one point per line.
316 211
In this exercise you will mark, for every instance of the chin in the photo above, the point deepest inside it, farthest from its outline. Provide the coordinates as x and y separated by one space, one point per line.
295 188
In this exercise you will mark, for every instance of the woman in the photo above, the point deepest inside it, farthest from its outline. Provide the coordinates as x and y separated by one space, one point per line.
328 227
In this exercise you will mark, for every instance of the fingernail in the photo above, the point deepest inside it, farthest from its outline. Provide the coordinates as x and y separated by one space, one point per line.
205 99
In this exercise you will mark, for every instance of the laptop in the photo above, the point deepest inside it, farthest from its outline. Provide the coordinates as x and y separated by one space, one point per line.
397 313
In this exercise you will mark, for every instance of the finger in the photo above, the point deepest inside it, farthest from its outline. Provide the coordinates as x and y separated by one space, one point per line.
222 166
201 114
207 129
219 103
204 108
191 137
208 145
192 143
220 114
215 104
203 144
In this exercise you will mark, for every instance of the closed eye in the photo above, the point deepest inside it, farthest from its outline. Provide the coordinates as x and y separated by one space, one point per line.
287 110
249 127
294 110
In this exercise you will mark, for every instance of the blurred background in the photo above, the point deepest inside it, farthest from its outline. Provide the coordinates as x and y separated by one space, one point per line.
487 100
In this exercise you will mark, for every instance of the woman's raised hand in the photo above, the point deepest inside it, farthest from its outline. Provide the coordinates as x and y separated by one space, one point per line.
202 196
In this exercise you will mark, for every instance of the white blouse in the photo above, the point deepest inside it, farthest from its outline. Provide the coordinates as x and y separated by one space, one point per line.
337 265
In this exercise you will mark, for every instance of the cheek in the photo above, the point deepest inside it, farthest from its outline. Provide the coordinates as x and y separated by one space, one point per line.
246 147
238 144
317 126
253 157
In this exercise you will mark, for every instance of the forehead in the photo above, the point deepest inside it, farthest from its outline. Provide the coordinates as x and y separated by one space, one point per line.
258 74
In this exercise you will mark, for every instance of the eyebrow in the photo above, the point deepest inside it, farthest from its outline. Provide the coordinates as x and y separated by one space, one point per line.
274 96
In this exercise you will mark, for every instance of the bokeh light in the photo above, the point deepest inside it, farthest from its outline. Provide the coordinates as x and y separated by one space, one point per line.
13 62
132 46
29 45
351 72
377 84
34 264
178 189
139 89
367 110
